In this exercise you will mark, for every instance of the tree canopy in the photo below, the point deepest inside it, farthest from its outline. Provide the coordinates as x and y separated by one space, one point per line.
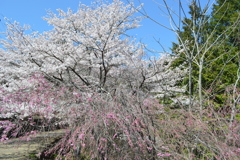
83 48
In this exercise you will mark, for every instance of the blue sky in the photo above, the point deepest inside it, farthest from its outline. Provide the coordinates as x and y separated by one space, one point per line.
31 12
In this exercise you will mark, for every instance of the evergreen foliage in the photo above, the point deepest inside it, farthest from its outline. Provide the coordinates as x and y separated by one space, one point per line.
225 24
213 41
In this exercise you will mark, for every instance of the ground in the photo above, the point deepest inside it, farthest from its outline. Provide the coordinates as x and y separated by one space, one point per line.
17 149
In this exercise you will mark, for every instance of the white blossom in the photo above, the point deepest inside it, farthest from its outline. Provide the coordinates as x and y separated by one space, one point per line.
84 47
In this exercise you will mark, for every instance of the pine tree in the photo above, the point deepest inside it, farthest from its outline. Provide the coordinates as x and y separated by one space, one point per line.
225 57
209 46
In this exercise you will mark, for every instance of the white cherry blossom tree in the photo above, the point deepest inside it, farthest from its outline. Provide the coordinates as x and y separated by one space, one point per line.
83 48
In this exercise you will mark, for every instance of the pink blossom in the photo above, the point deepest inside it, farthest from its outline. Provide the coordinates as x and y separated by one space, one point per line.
103 139
238 150
149 148
110 116
163 154
4 137
115 135
89 99
81 136
83 145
